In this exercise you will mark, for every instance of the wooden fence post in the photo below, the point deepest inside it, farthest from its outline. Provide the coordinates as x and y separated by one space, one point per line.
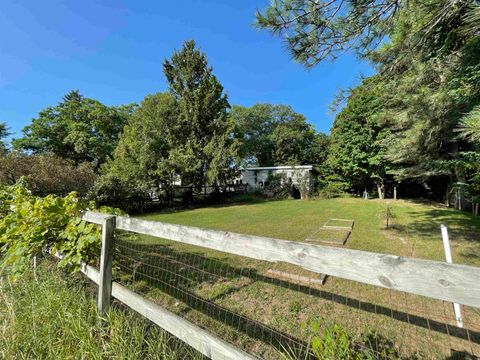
106 257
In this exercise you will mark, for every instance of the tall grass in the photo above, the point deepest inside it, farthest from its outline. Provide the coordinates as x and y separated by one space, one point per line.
49 315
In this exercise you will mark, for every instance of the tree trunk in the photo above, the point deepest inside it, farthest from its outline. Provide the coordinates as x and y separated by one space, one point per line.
381 190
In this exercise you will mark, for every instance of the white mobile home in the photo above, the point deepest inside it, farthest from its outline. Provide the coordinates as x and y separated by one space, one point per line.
256 178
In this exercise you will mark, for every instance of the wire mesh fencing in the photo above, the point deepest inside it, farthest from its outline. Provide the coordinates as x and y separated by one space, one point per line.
271 309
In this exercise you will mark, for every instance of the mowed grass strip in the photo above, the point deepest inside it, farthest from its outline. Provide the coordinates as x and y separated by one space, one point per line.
415 225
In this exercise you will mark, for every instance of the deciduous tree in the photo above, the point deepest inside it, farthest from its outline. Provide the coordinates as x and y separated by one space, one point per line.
276 135
357 150
78 128
140 162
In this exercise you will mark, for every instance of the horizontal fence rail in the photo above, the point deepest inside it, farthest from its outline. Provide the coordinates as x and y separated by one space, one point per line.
198 338
433 279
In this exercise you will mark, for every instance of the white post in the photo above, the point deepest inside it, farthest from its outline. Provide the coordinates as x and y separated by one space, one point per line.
35 267
448 258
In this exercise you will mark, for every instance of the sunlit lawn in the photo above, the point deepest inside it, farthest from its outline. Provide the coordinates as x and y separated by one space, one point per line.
211 282
416 226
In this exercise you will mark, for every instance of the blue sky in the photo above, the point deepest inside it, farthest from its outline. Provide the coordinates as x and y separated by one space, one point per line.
113 51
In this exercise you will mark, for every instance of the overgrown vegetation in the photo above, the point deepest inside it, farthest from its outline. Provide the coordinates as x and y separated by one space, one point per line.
47 173
30 225
47 315
416 122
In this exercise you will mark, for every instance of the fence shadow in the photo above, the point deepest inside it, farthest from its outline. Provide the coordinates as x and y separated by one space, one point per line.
159 267
463 225
177 273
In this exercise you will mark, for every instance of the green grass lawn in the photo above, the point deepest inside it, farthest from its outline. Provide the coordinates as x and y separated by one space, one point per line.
247 303
416 226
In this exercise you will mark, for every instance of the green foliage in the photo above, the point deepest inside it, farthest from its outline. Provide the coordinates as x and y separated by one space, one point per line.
357 151
315 31
3 134
182 136
140 161
253 128
424 99
78 128
47 315
201 137
423 107
404 120
47 173
30 225
470 125
279 187
333 342
318 30
276 135
296 142
332 188
468 164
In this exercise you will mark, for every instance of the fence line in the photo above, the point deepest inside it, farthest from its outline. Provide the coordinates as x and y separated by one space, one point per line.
196 337
433 279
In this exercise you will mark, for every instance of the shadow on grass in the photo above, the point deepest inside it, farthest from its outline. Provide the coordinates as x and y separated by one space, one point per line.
177 273
462 224
181 274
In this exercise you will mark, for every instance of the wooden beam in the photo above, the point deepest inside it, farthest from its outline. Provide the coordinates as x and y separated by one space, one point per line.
297 278
198 338
437 280
106 259
95 217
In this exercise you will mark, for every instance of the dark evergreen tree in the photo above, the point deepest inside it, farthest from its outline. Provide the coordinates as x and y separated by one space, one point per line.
3 135
202 146
320 30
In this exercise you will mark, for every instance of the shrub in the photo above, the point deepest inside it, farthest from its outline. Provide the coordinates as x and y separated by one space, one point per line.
333 342
333 189
47 173
278 187
109 190
31 224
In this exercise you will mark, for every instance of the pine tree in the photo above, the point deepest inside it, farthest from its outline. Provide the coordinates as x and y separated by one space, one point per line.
3 134
201 137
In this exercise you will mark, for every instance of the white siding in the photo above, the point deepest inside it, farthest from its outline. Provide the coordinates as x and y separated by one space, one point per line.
257 176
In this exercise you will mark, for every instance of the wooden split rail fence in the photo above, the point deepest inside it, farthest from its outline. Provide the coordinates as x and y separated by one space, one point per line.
437 280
